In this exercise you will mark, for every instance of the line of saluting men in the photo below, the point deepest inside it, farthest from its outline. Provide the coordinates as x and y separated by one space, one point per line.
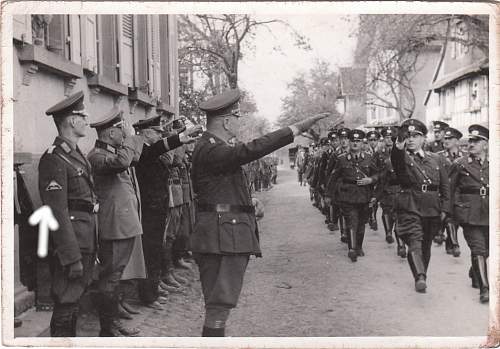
423 189
129 201
127 185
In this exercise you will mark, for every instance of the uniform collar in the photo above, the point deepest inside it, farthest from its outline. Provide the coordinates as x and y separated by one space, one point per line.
105 146
64 144
420 153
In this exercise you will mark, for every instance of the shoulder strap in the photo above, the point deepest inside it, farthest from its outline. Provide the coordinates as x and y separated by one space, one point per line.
68 161
472 175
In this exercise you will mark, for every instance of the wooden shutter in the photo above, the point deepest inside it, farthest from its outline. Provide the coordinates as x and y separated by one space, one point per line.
21 28
107 45
75 38
89 42
142 66
174 62
126 44
155 55
165 59
55 35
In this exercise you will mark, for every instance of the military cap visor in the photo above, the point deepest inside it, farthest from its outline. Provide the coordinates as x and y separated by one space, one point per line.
73 105
225 103
356 135
111 119
147 123
479 132
439 125
344 132
373 135
452 133
414 126
389 131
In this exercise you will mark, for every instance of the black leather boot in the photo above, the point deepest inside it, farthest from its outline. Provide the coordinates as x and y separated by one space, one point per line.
418 270
451 231
63 321
352 245
388 226
213 332
343 230
481 270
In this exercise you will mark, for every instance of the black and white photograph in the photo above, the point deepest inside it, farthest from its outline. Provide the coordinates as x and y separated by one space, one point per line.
255 172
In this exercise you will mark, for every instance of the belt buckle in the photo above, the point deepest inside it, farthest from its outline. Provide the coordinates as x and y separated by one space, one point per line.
96 208
222 208
424 188
482 191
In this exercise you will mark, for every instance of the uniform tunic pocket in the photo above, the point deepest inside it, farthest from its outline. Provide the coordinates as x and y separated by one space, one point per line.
236 233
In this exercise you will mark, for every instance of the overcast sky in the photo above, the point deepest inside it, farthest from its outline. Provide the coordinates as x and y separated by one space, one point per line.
266 72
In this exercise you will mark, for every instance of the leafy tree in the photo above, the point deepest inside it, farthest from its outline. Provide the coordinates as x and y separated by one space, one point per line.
309 94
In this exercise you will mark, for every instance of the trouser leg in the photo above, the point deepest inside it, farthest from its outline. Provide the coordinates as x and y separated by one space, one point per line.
221 280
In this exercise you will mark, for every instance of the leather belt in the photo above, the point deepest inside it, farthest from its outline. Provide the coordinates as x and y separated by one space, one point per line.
423 187
174 181
225 208
84 206
483 191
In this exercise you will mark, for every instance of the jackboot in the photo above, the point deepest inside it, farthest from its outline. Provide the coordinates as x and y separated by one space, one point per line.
352 245
360 236
122 313
451 231
401 246
213 332
418 270
63 321
481 270
388 226
439 238
343 230
129 308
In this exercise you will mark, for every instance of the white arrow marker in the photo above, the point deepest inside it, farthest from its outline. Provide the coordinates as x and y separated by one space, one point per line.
45 220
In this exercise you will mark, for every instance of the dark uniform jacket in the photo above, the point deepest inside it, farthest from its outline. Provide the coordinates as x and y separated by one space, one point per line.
435 147
450 157
347 171
116 190
467 176
413 172
388 184
66 185
218 178
151 175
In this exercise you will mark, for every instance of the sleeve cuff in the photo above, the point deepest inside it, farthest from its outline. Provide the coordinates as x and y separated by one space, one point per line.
294 129
172 142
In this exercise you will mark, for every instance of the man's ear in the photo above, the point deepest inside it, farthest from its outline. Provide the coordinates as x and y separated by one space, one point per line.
225 124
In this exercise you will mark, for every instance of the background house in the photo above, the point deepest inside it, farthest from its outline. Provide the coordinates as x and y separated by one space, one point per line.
458 94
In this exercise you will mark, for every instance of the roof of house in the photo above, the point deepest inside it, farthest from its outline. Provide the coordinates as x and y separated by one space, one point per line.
460 74
352 81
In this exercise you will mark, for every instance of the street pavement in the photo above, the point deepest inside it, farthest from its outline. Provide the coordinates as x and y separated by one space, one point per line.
305 285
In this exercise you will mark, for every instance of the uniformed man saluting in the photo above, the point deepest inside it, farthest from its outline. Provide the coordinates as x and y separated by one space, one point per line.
424 199
115 151
469 177
225 233
66 185
353 176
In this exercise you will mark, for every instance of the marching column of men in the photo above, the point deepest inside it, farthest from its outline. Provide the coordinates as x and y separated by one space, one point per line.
103 209
424 191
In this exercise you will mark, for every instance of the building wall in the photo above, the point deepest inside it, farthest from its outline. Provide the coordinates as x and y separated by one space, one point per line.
37 87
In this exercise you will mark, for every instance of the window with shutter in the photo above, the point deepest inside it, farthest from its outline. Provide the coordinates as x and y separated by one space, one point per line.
142 66
155 55
126 44
75 37
89 42
56 35
21 28
165 59
108 47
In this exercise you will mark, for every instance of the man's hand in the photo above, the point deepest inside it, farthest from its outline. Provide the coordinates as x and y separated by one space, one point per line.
306 124
75 270
400 140
128 129
443 216
327 200
259 208
364 181
191 134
